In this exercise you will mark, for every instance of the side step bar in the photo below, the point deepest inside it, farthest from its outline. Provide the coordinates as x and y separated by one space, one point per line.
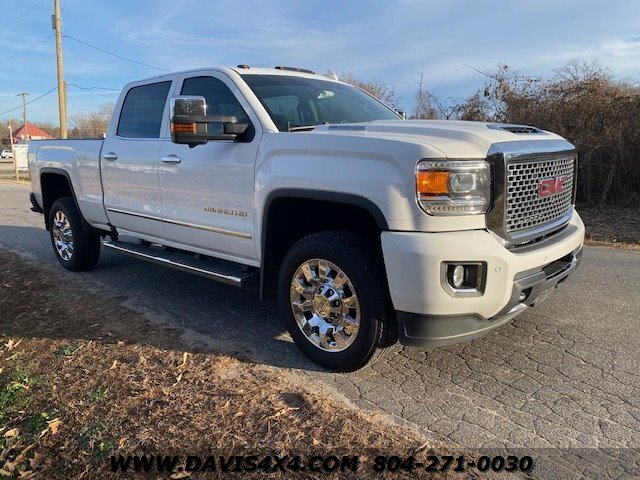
220 270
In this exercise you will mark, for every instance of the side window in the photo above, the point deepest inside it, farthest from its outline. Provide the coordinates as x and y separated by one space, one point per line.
220 99
142 109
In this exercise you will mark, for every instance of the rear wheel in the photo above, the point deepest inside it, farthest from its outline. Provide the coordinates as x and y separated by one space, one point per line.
76 245
334 301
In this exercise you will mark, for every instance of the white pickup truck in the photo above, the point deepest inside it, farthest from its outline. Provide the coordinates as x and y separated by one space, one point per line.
369 228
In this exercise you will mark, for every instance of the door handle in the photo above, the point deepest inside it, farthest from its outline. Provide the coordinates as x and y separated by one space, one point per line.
171 158
110 156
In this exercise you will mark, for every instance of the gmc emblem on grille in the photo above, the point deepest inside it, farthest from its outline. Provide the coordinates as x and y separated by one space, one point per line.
551 186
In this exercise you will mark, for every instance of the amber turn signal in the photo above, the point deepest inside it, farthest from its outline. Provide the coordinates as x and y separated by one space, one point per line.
432 182
183 127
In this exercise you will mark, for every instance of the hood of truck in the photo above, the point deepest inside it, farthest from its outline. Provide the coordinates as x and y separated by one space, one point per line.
454 138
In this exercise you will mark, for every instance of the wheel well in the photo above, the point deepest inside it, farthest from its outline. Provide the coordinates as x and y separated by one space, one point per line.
289 219
54 186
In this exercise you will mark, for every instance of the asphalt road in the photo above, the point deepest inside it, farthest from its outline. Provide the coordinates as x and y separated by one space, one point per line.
562 378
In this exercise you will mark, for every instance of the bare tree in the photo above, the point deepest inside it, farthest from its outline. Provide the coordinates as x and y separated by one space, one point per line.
49 127
91 125
426 103
378 89
4 129
583 103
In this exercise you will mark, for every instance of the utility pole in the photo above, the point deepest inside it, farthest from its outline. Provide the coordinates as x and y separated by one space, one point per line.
62 86
24 112
15 160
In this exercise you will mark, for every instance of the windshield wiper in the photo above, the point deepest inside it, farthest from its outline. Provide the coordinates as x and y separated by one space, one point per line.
302 128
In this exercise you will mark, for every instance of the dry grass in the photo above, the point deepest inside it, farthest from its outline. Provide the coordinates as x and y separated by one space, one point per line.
82 378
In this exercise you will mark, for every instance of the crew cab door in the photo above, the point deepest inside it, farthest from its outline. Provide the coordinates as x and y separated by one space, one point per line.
130 160
207 190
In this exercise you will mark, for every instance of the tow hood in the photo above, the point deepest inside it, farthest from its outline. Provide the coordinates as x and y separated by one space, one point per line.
454 138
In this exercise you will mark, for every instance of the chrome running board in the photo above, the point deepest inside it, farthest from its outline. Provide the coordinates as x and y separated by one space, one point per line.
222 271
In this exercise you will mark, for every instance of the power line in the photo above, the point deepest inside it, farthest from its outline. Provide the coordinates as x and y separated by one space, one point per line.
25 50
54 89
93 88
21 15
30 101
113 54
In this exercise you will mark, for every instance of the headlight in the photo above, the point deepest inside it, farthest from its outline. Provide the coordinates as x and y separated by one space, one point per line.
453 187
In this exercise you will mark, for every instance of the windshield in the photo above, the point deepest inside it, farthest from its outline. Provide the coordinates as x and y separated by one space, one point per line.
294 102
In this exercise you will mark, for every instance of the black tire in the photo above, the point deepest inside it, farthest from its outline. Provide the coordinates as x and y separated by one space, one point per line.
357 259
86 240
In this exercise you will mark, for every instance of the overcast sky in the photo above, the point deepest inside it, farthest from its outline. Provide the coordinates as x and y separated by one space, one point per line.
376 40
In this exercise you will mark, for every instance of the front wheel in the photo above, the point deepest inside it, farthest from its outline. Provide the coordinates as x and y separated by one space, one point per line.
77 246
333 300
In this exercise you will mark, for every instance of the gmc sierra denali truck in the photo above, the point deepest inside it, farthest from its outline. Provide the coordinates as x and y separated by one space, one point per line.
367 227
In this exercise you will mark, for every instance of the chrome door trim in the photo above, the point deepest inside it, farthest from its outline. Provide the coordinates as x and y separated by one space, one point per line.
210 229
184 224
133 214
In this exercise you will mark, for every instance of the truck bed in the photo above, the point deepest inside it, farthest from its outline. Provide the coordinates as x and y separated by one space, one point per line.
80 159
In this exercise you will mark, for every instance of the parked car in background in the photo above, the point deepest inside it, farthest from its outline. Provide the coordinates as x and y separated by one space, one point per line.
6 154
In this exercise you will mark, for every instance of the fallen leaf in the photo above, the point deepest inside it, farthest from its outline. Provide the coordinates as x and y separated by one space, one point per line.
113 366
36 461
54 425
11 433
11 344
18 460
178 475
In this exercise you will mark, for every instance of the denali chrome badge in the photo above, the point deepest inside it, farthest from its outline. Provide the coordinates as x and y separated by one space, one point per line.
552 186
226 211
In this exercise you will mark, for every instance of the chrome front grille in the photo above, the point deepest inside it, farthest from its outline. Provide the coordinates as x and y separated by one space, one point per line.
525 209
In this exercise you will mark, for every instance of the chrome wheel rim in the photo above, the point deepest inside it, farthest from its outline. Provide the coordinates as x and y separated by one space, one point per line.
62 236
325 305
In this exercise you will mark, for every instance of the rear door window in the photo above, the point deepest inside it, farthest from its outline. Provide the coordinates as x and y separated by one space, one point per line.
142 111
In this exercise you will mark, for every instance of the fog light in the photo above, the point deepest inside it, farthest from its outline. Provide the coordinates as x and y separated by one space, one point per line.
458 276
464 278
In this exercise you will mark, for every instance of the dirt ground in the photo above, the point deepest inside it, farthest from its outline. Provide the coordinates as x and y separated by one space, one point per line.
83 378
611 225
